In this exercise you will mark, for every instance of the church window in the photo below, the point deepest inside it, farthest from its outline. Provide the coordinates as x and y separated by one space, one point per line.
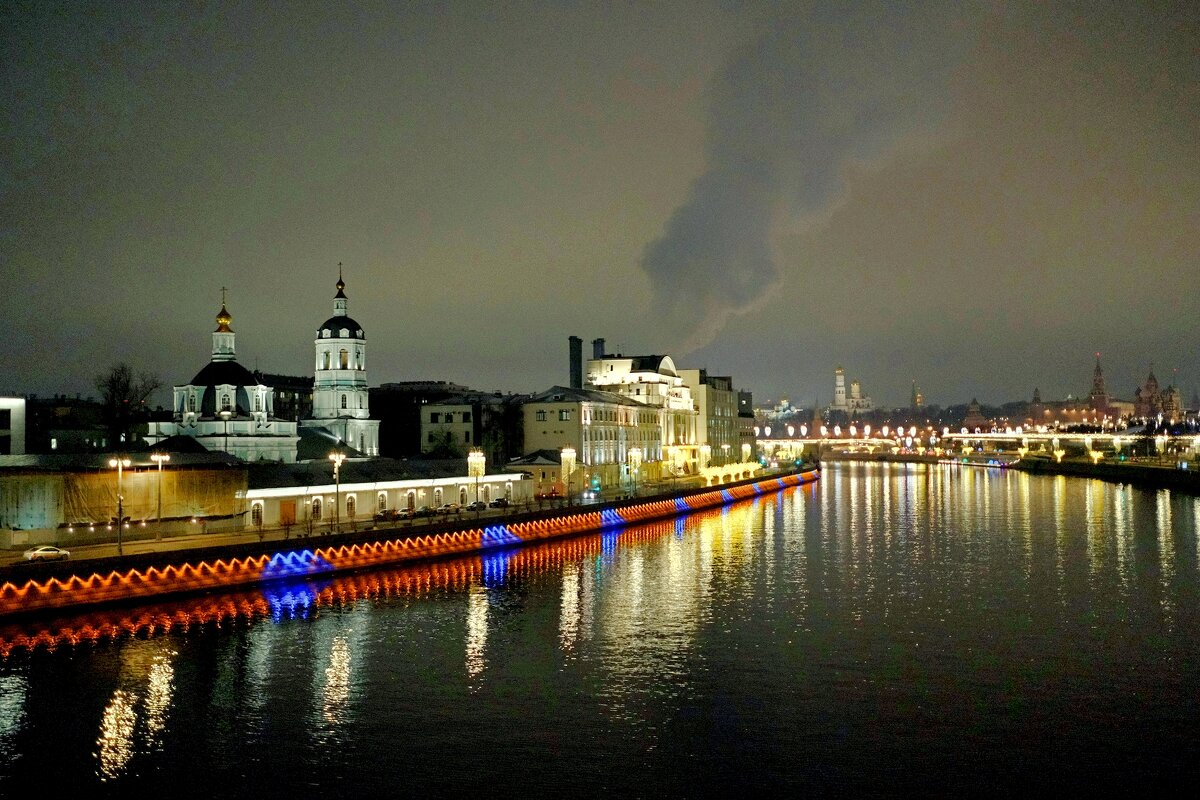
344 332
191 402
360 401
344 359
343 401
258 402
325 361
225 403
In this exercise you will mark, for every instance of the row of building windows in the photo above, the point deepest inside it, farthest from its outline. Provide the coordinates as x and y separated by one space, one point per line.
343 360
448 416
433 436
318 503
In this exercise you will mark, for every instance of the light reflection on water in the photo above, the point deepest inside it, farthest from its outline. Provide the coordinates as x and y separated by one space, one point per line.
879 629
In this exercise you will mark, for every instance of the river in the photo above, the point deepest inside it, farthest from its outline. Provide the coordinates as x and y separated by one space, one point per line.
889 629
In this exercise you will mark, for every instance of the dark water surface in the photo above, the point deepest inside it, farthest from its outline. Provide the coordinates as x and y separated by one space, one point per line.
889 629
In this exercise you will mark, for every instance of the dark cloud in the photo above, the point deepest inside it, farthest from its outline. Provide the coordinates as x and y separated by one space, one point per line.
819 89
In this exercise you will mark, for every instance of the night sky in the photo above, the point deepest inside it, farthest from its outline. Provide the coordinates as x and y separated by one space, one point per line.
975 197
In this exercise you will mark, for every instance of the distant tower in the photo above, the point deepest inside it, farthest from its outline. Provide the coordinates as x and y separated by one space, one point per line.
914 399
1099 395
839 390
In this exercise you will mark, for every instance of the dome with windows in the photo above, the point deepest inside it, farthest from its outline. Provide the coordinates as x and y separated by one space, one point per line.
340 328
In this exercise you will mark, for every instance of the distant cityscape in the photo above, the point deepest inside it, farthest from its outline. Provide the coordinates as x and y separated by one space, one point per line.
249 448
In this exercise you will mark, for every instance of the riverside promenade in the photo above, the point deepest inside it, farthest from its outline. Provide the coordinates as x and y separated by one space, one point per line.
226 560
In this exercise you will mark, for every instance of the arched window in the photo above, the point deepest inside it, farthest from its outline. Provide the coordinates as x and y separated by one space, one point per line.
351 506
325 360
343 401
487 493
258 402
191 402
316 508
462 495
437 496
344 359
412 500
225 405
256 514
381 503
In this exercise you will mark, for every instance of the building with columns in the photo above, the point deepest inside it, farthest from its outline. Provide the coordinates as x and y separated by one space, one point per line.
226 408
340 401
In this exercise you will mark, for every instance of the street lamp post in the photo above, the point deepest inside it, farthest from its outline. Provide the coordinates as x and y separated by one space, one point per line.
120 463
476 462
567 460
159 458
635 460
337 459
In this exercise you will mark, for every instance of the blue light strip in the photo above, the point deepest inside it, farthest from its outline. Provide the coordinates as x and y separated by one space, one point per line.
295 563
610 517
499 535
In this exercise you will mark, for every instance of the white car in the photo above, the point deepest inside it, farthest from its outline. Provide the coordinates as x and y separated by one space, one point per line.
47 552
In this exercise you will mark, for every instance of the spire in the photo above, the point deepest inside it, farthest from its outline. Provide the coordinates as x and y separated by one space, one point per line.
222 338
223 316
340 299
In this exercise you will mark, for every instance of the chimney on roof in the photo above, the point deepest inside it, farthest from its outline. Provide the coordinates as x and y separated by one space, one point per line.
576 362
597 348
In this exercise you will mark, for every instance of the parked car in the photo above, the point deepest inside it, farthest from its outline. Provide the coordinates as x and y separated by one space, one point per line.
423 511
499 502
449 508
478 505
47 552
405 513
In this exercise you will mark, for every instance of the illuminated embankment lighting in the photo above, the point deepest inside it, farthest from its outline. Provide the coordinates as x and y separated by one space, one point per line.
295 599
136 584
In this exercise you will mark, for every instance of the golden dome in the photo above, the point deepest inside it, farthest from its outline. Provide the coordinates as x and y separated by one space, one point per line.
223 320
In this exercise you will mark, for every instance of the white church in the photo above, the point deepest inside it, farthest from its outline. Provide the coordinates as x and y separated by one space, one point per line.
225 408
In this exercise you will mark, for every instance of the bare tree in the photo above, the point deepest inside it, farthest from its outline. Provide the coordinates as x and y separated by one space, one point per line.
124 396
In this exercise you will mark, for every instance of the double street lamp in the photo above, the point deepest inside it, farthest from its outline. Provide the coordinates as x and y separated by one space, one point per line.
567 461
159 458
476 463
120 463
337 459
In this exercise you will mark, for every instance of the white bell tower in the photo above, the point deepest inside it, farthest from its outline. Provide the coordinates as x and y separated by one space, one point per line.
340 397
